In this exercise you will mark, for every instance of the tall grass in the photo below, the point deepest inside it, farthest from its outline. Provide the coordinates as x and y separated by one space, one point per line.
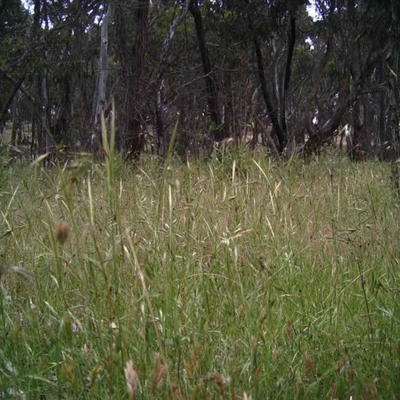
237 278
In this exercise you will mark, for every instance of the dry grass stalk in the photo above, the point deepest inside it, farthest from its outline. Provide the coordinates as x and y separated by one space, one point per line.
342 365
176 393
310 231
195 363
254 342
332 392
94 373
275 353
131 379
67 373
288 330
187 368
219 380
370 391
308 365
158 374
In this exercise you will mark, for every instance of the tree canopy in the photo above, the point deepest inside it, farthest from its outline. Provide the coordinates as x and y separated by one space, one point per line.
252 70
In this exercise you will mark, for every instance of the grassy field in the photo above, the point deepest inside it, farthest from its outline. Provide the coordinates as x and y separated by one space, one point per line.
233 279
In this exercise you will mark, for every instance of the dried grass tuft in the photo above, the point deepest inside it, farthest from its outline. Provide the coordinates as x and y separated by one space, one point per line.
158 374
131 379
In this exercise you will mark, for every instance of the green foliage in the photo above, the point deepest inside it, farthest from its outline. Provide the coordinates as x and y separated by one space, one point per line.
238 276
14 23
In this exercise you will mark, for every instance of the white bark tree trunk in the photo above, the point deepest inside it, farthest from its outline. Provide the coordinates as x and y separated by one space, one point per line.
100 94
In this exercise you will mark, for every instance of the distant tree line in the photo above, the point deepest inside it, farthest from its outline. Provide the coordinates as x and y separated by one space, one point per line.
262 71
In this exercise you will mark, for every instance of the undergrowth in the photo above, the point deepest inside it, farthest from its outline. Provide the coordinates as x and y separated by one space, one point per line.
237 278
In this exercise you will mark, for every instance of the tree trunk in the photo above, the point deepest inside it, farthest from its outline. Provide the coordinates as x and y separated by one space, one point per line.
318 137
43 128
162 142
280 133
135 141
354 75
100 94
219 131
14 128
382 113
288 69
358 150
4 111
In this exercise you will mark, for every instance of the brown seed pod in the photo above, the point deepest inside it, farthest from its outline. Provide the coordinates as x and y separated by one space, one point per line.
62 230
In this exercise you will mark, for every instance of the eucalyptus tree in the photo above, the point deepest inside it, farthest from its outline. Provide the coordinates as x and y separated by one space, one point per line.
267 34
158 74
279 19
51 66
131 38
100 92
69 60
219 132
355 37
14 31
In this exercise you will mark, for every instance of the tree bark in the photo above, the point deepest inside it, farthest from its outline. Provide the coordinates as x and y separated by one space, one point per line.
219 131
100 96
10 99
351 83
162 143
43 128
288 70
135 141
358 150
280 133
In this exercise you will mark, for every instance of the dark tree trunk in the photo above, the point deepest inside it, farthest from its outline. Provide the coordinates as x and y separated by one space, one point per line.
159 128
7 104
43 127
288 70
318 137
280 133
15 124
358 150
383 136
211 88
353 78
135 141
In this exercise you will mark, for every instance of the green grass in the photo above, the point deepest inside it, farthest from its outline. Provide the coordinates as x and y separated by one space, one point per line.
240 275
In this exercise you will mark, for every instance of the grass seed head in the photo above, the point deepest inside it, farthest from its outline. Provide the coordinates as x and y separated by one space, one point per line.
288 330
220 380
158 374
176 392
131 379
94 373
67 373
85 350
332 392
62 230
195 363
187 368
308 365
370 391
275 353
